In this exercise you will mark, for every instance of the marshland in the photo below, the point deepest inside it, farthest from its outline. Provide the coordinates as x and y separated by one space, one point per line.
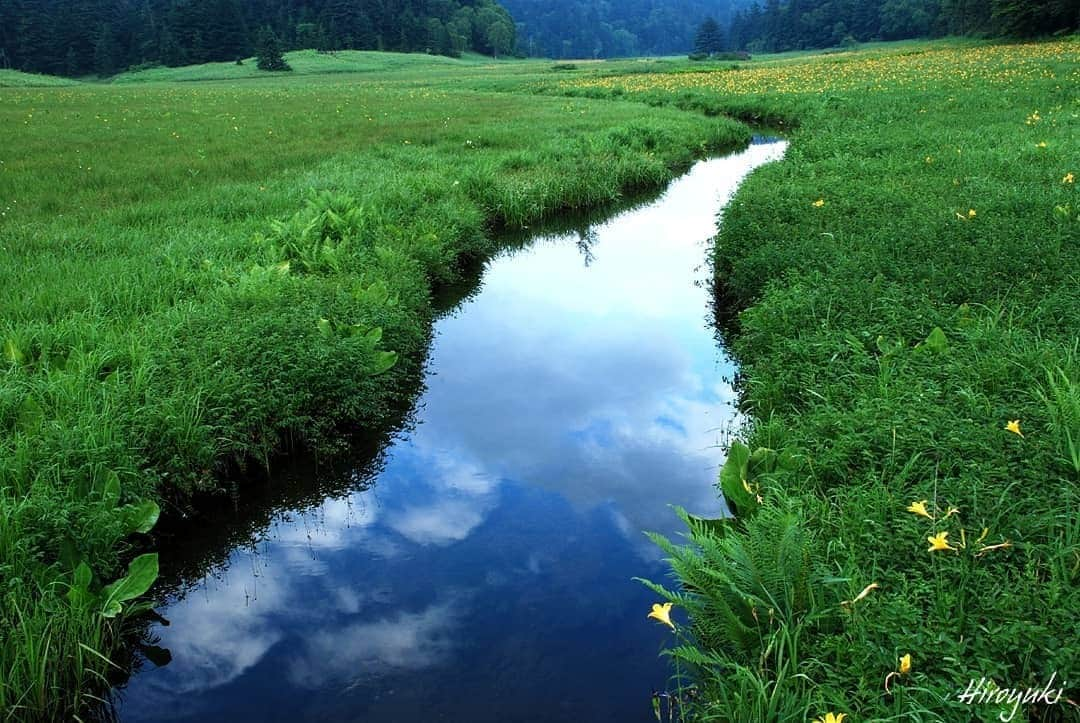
370 377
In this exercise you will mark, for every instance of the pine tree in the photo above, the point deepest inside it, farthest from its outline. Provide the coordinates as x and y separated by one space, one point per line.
709 39
269 55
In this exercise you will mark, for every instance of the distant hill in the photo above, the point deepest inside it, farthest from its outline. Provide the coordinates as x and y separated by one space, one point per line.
104 37
613 28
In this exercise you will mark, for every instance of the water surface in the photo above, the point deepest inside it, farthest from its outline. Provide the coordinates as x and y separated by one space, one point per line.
481 571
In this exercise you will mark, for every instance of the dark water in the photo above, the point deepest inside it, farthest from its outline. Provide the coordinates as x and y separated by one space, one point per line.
481 571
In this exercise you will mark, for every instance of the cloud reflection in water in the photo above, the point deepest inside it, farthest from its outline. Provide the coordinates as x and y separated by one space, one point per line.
486 574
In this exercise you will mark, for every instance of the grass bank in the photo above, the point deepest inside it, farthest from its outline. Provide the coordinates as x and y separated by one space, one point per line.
908 282
202 275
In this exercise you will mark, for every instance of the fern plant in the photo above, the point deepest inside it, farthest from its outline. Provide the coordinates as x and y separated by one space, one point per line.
743 585
319 238
1061 396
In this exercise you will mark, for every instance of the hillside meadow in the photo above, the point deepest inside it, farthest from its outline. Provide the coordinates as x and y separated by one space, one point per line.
903 295
208 274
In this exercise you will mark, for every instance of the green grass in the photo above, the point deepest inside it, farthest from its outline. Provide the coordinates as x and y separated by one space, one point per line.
201 276
311 62
18 79
899 288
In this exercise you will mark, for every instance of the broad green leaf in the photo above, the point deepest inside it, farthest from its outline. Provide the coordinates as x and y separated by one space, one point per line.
141 517
384 360
12 352
142 572
79 597
936 342
70 557
82 576
733 478
110 494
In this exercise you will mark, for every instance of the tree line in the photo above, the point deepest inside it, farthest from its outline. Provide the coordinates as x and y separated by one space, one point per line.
800 24
81 37
613 28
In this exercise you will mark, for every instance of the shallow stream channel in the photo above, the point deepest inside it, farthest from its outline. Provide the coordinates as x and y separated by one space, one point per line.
478 567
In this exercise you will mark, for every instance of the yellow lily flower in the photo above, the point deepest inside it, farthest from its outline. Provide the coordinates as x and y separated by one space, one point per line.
919 508
1014 427
939 542
971 213
662 613
831 718
819 203
905 664
1069 178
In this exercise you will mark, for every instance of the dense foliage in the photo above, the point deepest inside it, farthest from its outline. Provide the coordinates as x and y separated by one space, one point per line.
794 24
79 37
902 294
602 29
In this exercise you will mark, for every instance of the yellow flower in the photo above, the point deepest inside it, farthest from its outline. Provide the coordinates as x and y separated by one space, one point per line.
860 596
662 613
1041 144
905 664
819 203
1069 178
831 718
919 508
938 542
1014 427
971 213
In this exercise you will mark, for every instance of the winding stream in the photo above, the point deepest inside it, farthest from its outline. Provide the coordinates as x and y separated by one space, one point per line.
481 571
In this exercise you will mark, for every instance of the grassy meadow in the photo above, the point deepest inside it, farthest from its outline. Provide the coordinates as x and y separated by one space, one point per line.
903 295
203 275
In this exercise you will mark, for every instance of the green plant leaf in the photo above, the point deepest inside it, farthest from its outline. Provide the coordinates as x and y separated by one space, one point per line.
732 477
82 576
110 494
141 517
12 352
142 572
384 360
936 342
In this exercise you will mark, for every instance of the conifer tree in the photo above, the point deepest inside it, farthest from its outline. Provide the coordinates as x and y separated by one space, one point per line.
269 56
709 39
